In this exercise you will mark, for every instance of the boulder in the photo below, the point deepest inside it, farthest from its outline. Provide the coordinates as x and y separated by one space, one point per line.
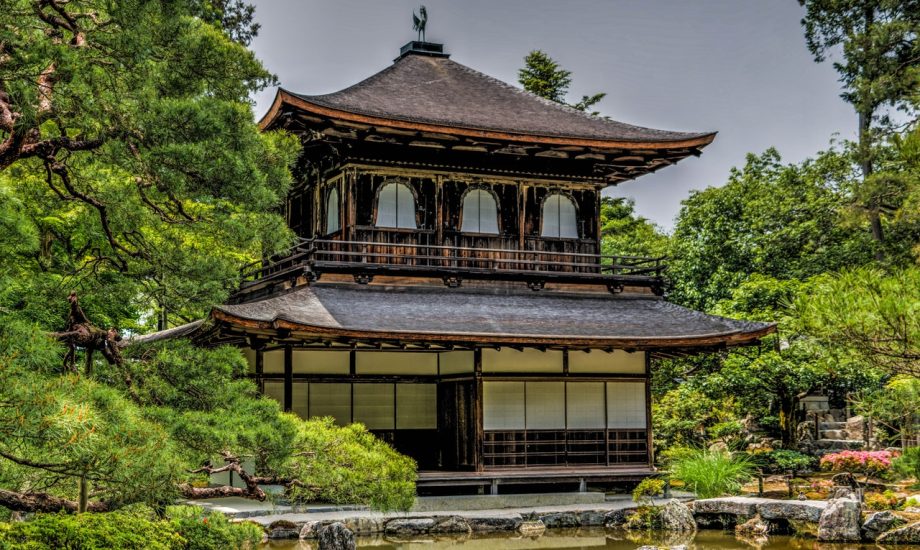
735 506
845 479
407 527
878 523
676 516
617 518
909 534
799 510
450 525
754 527
592 518
310 529
531 528
495 523
283 529
336 536
363 526
561 520
840 521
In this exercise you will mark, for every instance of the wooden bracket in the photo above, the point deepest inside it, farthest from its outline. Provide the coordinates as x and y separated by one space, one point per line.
452 281
363 278
615 288
536 285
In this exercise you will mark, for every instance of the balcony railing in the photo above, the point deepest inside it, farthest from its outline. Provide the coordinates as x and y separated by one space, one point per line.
410 254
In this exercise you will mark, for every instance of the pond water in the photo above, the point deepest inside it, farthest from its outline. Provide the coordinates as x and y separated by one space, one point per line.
596 539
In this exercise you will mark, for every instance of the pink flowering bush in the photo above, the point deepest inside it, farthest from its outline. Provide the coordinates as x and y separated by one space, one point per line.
866 462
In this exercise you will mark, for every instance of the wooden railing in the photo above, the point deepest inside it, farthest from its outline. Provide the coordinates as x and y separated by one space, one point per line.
413 252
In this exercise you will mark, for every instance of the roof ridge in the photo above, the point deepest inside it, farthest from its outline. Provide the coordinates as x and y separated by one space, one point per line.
561 106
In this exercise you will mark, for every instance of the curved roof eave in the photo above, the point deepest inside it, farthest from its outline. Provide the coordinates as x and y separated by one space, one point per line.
284 97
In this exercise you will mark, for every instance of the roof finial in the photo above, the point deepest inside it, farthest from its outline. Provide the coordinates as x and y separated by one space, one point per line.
419 22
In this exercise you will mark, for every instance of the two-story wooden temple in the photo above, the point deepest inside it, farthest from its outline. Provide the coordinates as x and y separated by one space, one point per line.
449 290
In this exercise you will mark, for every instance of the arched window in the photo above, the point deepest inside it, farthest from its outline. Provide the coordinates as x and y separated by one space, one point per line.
480 213
559 217
332 211
396 206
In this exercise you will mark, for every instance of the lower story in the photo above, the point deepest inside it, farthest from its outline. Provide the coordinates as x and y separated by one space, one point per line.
480 416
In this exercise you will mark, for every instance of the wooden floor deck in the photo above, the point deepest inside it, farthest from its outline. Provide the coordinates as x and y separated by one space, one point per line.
532 476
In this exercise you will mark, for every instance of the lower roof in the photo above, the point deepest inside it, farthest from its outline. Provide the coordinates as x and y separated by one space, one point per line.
477 316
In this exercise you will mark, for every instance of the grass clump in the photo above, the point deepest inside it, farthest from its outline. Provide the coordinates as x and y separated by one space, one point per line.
711 473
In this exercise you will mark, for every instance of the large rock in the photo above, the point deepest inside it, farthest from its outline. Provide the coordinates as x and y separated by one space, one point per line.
363 526
676 516
909 534
592 518
754 527
495 523
450 525
792 510
880 522
617 518
336 536
531 528
283 529
407 527
734 506
561 520
840 521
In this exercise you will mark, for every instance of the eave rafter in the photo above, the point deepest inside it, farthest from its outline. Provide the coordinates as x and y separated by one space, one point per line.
610 163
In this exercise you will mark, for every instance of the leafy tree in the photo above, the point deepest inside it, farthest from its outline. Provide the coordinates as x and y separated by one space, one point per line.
880 66
778 220
543 76
625 233
895 407
127 139
870 313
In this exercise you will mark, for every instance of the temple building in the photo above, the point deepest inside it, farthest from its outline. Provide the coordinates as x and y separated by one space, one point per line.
449 289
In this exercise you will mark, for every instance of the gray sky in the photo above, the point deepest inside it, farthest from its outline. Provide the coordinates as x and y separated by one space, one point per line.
737 66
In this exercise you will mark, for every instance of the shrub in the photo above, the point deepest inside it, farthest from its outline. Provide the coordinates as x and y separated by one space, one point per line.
90 531
882 501
908 464
782 460
648 487
865 462
711 473
207 530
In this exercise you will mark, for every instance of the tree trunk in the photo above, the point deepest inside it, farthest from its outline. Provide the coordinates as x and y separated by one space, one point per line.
84 495
43 502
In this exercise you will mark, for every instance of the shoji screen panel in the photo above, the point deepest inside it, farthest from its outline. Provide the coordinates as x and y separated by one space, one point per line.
585 405
503 405
626 405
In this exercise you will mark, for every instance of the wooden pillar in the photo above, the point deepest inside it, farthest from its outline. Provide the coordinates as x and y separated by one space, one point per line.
439 207
478 435
288 378
648 407
260 368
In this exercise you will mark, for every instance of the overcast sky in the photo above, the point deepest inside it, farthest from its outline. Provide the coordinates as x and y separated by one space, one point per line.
737 66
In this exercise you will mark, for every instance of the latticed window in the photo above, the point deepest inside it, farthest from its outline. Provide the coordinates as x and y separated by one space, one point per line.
332 211
480 213
396 207
559 218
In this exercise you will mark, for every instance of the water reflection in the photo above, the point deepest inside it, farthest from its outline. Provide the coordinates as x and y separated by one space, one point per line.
595 539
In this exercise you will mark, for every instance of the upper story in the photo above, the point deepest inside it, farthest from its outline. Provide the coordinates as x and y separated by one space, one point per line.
432 168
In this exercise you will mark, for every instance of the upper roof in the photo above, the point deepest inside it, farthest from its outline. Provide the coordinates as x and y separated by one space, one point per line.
435 94
471 317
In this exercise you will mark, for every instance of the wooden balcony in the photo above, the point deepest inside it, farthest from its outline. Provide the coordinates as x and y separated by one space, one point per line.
415 253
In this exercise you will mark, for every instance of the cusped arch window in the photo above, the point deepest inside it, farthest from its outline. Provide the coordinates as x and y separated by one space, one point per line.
396 207
559 219
480 212
333 223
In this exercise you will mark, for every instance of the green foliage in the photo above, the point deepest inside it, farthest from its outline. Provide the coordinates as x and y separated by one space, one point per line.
208 530
710 473
783 460
185 528
683 415
777 220
886 500
543 76
907 465
348 464
870 312
624 233
647 488
90 532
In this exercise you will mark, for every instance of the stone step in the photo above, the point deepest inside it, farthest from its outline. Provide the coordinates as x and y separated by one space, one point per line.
832 425
833 434
839 444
